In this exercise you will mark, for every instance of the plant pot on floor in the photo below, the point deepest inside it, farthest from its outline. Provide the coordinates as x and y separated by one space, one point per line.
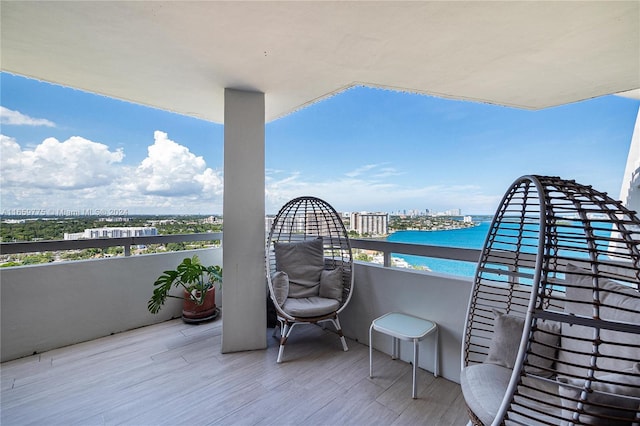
193 313
198 283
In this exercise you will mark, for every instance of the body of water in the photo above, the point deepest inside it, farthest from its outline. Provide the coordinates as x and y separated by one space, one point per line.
465 238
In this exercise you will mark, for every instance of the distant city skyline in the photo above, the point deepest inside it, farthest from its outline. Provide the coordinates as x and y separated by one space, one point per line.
362 150
121 215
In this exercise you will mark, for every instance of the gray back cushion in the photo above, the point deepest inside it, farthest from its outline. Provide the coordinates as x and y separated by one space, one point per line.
331 284
623 306
606 399
303 262
280 283
505 343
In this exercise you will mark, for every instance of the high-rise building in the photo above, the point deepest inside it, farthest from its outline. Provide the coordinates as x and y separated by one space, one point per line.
370 223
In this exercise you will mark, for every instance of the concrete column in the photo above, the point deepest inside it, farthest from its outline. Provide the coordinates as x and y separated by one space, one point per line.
630 190
244 288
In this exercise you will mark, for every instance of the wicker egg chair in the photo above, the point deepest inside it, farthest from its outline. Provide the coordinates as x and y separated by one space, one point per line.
552 335
309 266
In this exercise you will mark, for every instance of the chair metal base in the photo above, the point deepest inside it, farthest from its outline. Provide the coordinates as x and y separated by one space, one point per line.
286 327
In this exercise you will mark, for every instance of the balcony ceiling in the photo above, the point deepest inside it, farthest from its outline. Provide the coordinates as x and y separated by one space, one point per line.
179 56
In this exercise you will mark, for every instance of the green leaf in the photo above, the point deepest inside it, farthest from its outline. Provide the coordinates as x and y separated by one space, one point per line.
191 275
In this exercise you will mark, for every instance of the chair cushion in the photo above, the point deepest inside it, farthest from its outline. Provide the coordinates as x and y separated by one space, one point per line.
505 343
505 340
303 262
603 395
483 387
331 284
622 305
309 307
280 283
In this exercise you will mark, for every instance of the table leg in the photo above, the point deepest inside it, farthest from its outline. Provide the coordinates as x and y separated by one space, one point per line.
370 351
395 348
414 392
436 367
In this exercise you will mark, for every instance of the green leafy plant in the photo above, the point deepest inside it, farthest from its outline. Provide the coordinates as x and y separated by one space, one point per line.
190 274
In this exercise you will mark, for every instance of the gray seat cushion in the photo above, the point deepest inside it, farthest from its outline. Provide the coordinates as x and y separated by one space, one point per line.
309 307
483 387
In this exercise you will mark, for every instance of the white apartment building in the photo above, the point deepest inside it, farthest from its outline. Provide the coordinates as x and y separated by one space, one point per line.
370 223
212 220
112 232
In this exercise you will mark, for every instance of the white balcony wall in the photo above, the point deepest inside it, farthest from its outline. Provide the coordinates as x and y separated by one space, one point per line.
438 297
54 305
49 306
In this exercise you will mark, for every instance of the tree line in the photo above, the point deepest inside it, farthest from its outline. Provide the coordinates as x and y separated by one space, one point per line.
54 228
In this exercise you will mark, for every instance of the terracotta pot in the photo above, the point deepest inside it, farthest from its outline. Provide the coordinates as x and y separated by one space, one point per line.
192 312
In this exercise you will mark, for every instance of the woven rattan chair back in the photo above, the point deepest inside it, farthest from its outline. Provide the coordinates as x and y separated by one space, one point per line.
302 219
542 225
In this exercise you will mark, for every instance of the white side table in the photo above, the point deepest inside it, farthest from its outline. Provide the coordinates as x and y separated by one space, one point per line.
405 327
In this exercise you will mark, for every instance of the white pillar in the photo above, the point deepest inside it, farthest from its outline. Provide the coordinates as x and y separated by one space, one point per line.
630 190
244 288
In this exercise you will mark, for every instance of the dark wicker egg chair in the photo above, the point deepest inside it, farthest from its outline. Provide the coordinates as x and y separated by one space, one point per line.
309 266
553 329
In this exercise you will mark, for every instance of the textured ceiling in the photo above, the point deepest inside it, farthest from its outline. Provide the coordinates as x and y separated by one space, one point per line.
180 56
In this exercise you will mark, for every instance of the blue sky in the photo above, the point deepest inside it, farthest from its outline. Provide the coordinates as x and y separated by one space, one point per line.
364 149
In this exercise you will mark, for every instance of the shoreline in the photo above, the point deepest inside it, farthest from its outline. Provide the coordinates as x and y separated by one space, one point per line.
474 224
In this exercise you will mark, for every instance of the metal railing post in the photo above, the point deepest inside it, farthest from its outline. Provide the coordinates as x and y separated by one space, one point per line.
387 258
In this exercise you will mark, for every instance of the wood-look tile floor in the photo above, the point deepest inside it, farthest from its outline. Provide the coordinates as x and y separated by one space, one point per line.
174 374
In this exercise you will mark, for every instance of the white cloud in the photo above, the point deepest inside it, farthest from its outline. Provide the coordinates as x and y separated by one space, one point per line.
374 171
372 194
386 172
15 118
170 169
361 170
10 153
82 175
76 163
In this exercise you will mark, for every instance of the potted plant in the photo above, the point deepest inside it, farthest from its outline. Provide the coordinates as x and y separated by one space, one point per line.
198 283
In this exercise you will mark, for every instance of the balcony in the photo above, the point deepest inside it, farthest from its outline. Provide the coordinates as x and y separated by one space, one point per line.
115 48
102 358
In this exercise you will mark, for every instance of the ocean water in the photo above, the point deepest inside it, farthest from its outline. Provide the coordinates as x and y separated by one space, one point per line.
465 238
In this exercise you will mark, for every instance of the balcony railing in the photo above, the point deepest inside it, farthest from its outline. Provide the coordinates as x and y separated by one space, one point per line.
438 252
385 247
51 305
126 242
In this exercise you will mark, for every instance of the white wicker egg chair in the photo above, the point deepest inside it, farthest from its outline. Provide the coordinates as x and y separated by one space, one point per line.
553 329
309 266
